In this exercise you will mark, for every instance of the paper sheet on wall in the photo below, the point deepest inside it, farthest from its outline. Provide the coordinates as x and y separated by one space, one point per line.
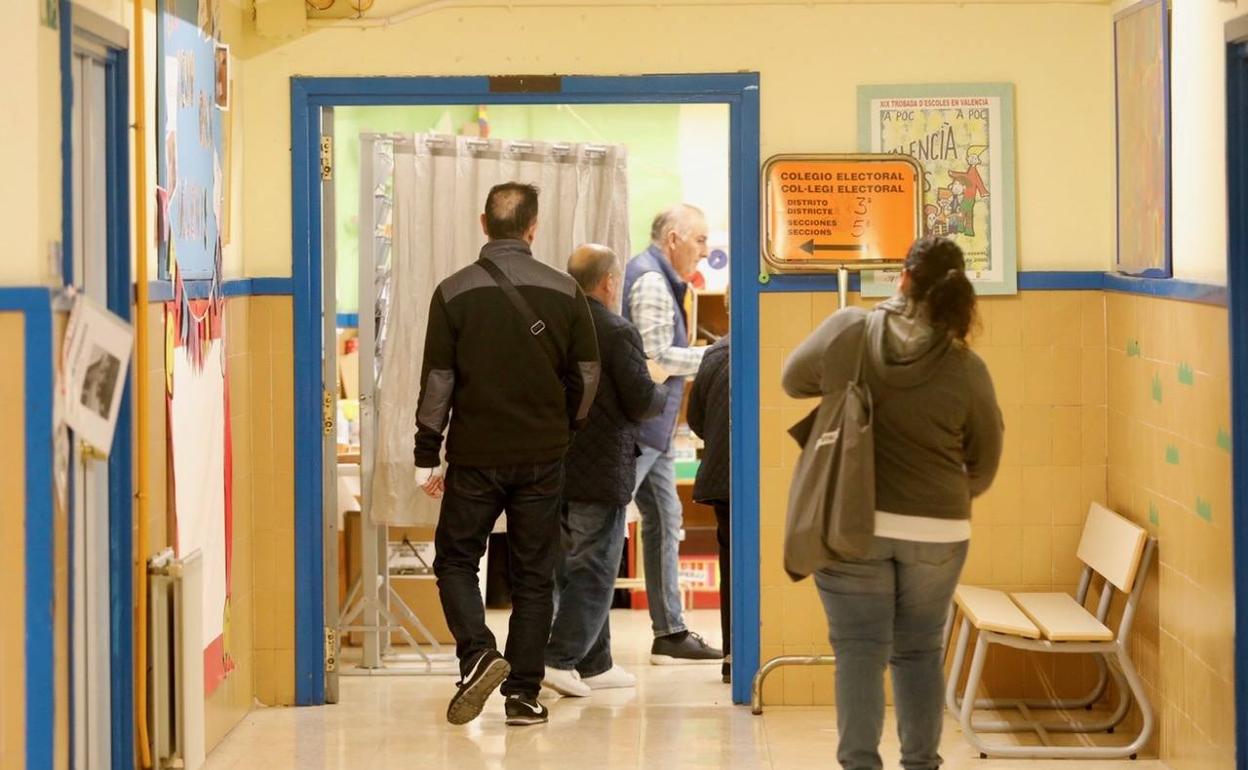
171 92
197 432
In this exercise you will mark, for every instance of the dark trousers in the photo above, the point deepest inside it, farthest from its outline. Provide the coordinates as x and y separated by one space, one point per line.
474 499
723 524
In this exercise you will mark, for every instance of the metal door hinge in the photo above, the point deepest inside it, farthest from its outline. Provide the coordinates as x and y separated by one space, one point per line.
331 650
327 412
327 158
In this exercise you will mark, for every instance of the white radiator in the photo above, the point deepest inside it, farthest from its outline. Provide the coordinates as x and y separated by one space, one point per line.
177 681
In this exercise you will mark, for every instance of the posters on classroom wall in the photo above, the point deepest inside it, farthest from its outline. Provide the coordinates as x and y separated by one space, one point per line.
193 98
963 136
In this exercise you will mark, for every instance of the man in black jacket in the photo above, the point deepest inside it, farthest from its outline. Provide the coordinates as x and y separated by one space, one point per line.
601 468
511 361
710 418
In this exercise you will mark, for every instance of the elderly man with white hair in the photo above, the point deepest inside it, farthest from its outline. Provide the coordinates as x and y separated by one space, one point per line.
654 300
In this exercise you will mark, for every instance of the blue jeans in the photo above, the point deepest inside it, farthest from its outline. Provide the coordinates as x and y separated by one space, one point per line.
662 517
889 610
593 541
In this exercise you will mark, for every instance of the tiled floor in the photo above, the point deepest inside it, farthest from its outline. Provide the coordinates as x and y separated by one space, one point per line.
677 718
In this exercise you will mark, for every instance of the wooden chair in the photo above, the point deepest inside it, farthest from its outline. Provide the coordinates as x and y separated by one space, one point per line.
1116 550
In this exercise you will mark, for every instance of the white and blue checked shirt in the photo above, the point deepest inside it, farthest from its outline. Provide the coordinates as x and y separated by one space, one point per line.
653 312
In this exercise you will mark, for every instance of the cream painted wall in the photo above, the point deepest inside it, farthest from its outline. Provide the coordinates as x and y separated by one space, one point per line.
30 122
811 59
1198 120
38 55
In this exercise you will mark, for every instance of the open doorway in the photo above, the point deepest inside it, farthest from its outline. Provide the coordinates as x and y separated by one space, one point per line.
454 104
408 185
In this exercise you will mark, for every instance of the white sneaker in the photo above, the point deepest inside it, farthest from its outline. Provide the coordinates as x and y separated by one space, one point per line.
614 679
565 683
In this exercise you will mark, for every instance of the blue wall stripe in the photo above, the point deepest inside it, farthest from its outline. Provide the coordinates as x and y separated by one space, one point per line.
348 320
162 291
1167 288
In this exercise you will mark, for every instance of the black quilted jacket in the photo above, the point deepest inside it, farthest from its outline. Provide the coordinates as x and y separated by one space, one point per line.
709 418
602 462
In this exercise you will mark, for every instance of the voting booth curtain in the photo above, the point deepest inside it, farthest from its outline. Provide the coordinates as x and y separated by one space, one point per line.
439 188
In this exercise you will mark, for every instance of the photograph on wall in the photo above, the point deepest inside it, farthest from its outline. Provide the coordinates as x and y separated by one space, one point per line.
963 137
221 82
97 354
1143 129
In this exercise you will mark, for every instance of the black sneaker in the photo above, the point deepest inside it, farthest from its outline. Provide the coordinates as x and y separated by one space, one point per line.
726 672
487 672
526 710
682 649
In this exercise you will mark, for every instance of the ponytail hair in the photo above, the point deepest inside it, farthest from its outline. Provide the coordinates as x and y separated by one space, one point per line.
938 280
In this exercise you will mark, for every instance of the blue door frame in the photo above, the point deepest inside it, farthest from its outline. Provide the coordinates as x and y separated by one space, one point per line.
308 96
1237 312
120 298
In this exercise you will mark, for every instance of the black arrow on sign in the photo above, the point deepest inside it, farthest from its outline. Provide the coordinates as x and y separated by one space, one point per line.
810 247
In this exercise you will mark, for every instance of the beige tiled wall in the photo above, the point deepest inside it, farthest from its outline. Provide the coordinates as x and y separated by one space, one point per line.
1046 353
270 359
12 545
1170 471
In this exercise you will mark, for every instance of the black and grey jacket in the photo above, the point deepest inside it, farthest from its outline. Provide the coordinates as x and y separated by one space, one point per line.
488 375
601 466
710 417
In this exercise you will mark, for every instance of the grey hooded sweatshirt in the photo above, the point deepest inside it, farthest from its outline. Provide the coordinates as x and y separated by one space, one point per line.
938 429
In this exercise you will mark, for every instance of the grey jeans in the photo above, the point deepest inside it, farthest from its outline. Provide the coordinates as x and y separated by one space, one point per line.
889 609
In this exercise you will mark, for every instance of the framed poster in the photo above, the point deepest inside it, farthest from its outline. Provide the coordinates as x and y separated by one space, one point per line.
1142 126
963 137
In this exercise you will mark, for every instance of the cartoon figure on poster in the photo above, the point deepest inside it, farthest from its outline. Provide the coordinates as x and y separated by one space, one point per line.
962 136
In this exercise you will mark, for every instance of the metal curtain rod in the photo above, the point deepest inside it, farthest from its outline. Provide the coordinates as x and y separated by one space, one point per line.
476 143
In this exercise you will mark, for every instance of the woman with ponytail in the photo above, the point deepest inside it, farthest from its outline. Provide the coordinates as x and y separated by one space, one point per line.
938 439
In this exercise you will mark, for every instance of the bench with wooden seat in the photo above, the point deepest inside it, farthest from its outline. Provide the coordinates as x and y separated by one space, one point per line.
1117 551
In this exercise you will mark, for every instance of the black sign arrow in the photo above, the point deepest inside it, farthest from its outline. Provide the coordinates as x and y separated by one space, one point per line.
810 247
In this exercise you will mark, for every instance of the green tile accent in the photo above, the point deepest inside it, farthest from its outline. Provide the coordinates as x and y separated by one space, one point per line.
1133 349
1186 375
1203 509
1224 440
1157 388
1172 454
1154 515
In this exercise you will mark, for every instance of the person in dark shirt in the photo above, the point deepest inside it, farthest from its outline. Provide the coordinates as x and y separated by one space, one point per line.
710 418
600 470
512 390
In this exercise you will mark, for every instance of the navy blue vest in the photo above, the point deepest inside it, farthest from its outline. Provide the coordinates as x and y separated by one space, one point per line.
657 432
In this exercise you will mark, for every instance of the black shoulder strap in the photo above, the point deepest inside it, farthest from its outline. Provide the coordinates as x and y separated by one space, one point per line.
537 326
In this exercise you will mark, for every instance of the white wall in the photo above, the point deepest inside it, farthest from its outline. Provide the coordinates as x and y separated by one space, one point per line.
1198 120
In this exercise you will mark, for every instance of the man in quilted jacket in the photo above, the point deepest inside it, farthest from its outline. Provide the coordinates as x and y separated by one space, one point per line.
600 470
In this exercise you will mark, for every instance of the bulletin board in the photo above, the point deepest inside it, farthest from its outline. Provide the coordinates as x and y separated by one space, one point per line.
1142 124
189 146
963 136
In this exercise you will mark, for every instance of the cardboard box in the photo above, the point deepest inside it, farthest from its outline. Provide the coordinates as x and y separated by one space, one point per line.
418 589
